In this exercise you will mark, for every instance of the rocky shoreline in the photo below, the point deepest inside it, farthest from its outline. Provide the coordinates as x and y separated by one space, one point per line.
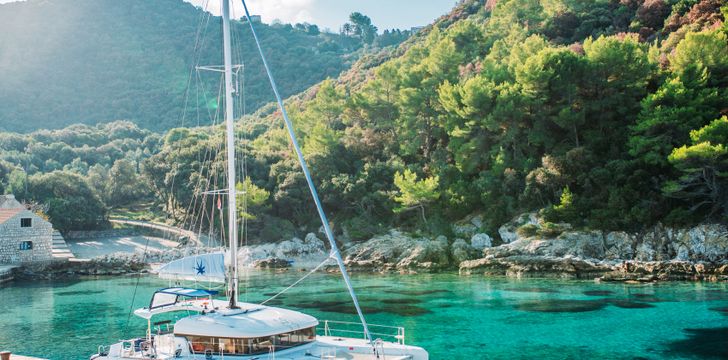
527 246
660 253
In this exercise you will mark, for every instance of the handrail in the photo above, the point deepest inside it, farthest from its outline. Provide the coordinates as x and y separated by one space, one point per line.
399 337
356 323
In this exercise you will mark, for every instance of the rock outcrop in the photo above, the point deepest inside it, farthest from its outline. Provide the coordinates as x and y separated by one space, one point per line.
301 253
398 251
534 266
659 253
530 247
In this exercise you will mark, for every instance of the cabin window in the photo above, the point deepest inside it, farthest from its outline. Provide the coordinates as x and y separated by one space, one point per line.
26 222
295 338
202 345
261 345
26 245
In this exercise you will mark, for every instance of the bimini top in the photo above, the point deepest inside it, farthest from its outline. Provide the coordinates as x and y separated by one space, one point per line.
177 299
250 321
171 296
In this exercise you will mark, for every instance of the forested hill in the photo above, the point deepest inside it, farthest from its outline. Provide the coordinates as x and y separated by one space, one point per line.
606 114
93 61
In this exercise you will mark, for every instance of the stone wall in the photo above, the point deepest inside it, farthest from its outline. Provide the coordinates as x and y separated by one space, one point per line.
100 234
12 234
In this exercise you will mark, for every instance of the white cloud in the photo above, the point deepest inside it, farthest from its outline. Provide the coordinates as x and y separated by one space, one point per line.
287 11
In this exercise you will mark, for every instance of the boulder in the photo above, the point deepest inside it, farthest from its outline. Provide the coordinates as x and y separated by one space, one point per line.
468 227
481 241
462 251
465 230
509 231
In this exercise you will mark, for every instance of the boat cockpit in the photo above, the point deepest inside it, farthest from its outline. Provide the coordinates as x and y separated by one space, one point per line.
216 330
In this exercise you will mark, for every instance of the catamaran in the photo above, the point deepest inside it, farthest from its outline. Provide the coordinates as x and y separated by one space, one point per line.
220 327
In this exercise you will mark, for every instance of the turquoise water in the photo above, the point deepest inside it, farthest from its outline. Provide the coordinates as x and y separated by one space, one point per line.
453 317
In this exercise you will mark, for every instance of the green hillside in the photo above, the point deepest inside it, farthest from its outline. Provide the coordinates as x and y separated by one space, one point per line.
605 114
92 61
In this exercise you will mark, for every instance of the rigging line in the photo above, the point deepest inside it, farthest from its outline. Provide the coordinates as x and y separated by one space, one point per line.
192 207
244 169
204 16
200 35
302 161
299 280
136 286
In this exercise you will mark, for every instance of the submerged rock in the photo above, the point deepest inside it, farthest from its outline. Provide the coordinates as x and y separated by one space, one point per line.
271 263
706 343
598 292
626 304
560 305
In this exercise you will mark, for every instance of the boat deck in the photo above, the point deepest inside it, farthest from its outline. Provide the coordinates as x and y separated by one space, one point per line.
21 357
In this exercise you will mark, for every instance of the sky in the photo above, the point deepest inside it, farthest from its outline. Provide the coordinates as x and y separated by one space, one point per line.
331 14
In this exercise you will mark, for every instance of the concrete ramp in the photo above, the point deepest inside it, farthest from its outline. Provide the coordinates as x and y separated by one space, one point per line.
60 248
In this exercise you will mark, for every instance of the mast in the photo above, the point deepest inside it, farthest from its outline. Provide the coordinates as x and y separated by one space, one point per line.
230 144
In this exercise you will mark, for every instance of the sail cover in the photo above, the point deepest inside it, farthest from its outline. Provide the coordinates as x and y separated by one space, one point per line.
204 267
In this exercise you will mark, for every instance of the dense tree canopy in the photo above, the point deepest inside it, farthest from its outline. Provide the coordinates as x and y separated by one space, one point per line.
582 109
606 114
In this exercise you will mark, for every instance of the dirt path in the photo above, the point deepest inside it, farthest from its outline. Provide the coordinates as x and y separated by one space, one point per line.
167 230
91 248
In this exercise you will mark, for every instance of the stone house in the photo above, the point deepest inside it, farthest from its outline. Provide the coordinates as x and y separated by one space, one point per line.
24 236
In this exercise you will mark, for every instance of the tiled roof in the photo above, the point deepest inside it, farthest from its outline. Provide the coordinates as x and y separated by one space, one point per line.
7 214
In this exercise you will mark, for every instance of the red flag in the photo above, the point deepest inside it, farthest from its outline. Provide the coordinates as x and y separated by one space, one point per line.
219 203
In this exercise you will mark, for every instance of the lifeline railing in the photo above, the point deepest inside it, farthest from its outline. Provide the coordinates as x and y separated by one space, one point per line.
375 330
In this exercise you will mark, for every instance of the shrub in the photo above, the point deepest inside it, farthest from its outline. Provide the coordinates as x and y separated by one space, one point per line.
528 230
550 230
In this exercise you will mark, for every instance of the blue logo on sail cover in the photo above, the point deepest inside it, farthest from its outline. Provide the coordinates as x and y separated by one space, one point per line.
200 268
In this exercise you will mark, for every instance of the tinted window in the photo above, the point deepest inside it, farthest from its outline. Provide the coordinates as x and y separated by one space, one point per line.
262 345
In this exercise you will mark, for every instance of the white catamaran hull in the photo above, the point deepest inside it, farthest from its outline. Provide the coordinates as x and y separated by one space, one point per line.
325 347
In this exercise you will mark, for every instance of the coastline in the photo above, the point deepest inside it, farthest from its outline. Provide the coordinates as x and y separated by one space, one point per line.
546 250
512 267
